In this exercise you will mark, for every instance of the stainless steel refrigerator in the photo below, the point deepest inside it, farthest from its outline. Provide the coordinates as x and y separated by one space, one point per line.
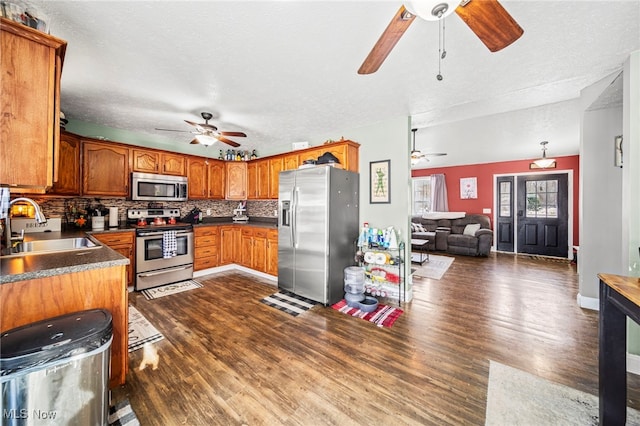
317 229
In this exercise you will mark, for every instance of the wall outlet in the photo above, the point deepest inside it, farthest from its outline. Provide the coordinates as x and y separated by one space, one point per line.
208 212
275 213
486 211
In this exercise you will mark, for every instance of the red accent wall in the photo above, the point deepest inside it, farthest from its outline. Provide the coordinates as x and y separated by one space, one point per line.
484 174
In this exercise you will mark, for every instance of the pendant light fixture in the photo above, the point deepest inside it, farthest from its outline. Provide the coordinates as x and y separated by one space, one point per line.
544 162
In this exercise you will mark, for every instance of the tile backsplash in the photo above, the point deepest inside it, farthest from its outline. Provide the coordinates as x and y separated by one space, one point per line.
57 207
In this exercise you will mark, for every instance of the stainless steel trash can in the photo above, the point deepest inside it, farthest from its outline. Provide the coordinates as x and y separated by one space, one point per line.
56 371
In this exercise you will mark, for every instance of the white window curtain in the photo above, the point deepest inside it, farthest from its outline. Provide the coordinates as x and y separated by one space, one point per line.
439 194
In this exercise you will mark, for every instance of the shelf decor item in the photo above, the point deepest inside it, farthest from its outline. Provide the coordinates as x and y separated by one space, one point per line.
379 182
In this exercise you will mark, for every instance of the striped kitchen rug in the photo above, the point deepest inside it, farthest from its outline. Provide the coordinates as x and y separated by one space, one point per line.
166 290
121 414
289 302
383 316
140 330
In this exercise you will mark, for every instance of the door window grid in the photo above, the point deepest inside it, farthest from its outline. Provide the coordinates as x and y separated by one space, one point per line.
421 195
542 198
505 199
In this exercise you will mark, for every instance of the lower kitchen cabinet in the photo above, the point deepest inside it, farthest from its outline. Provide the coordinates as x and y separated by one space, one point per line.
272 252
253 248
206 242
123 243
229 244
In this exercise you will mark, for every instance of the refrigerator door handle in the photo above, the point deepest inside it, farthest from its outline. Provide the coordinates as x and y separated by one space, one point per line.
294 217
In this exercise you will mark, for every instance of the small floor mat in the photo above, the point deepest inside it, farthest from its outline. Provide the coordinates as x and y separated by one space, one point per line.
383 316
121 414
289 302
166 290
140 330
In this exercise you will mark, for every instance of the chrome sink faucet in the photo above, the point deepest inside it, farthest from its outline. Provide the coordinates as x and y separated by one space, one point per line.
38 215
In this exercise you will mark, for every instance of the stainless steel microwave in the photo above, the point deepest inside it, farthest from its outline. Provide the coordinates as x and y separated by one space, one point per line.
152 187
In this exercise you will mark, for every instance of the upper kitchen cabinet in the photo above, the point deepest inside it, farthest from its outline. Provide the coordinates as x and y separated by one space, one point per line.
152 161
345 151
258 179
105 169
68 182
30 66
206 178
275 167
236 180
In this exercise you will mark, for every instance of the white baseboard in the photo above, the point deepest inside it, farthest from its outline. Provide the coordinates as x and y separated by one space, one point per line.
232 267
588 302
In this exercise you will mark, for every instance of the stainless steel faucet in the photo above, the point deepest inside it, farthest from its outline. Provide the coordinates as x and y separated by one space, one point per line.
38 215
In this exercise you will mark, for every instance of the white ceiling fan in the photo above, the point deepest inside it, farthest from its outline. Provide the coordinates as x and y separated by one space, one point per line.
417 156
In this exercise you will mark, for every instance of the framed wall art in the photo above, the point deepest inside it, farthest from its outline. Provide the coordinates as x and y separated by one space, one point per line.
379 182
468 188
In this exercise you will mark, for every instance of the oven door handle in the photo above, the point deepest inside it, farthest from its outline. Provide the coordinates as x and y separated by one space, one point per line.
159 233
164 271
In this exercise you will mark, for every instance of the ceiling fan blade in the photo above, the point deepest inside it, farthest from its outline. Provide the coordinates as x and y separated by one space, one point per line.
238 134
435 154
173 130
490 22
208 126
227 141
196 125
387 41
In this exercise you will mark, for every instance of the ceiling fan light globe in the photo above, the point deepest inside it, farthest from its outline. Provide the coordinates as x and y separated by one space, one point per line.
432 10
206 140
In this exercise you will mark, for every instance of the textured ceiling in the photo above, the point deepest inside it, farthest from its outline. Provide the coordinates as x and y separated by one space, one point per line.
285 71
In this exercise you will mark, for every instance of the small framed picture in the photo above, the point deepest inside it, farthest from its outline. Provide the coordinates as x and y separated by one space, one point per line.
379 182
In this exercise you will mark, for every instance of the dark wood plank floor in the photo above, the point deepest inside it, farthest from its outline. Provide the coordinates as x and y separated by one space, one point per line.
229 359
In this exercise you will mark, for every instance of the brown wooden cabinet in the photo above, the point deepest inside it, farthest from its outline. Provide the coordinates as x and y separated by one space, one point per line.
206 178
236 180
258 179
216 179
30 66
275 167
153 161
69 166
36 299
206 243
272 252
105 169
125 244
290 161
229 244
253 248
252 180
197 177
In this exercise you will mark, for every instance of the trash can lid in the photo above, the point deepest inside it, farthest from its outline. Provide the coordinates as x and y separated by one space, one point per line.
54 338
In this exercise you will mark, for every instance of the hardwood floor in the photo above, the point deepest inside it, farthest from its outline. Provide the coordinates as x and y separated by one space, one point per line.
229 359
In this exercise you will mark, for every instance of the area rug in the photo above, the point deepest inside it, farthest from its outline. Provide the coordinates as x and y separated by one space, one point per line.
383 316
122 414
289 302
434 268
140 330
166 290
515 397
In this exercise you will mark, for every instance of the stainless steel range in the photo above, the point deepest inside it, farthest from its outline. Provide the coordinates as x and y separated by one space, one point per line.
164 247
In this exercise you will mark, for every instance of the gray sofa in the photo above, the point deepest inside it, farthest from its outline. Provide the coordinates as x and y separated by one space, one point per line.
449 235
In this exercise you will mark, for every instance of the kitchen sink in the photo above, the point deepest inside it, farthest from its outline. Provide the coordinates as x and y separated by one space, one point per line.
61 245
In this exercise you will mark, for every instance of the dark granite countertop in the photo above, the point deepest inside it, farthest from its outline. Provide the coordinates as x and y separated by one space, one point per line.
21 268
